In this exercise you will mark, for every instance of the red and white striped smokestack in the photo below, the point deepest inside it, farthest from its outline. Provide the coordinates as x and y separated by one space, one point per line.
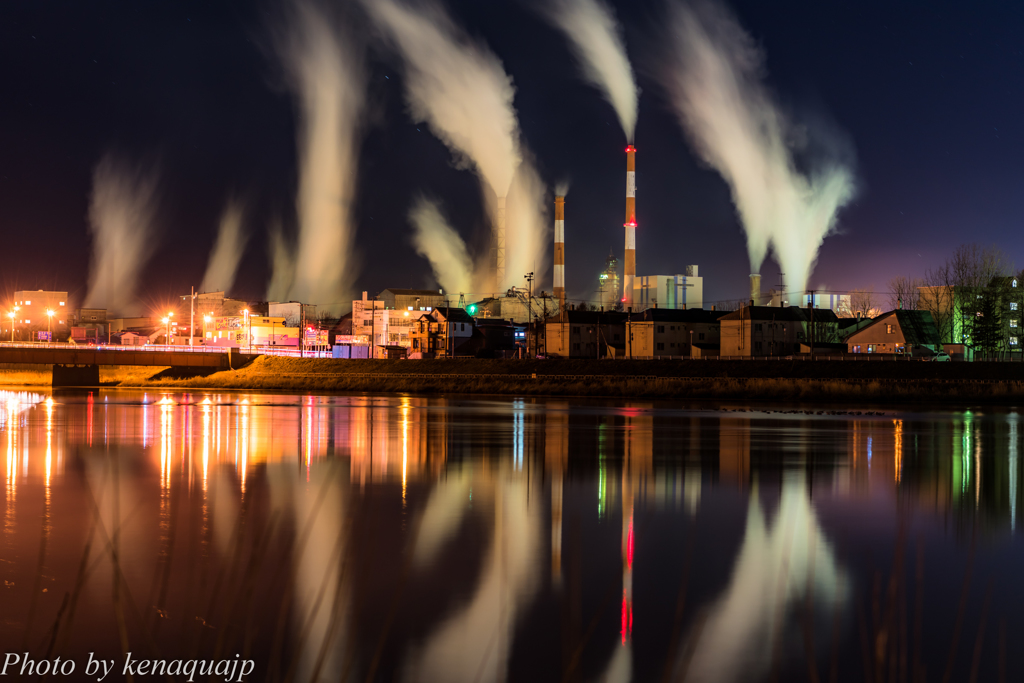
629 267
560 252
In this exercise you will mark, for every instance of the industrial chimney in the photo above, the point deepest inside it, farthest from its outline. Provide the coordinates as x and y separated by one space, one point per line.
499 246
755 289
560 252
629 267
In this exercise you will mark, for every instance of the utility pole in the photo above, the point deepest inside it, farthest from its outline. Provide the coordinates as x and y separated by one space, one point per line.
811 331
529 307
191 321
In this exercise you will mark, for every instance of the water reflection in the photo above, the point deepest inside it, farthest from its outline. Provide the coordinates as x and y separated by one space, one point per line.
423 539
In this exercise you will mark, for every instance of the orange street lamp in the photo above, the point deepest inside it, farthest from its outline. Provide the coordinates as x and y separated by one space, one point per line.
10 314
49 320
166 320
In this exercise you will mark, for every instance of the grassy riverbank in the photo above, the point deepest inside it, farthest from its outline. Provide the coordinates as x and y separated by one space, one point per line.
835 382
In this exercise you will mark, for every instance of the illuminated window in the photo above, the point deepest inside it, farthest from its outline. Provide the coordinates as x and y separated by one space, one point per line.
1014 283
1013 323
1013 305
890 329
61 303
28 322
1013 341
28 303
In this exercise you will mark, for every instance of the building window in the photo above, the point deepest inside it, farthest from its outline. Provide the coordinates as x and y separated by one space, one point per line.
1014 283
700 336
661 328
1013 341
28 303
661 346
1013 323
871 348
889 329
1013 305
856 348
576 346
757 327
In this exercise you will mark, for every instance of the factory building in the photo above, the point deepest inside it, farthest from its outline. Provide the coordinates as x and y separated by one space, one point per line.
670 332
412 299
776 331
515 307
214 304
585 334
295 314
677 292
609 286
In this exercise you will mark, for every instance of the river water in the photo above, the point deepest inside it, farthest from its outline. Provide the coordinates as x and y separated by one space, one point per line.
404 538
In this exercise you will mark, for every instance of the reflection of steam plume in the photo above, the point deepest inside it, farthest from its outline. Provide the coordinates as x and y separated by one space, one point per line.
597 44
282 265
327 74
121 217
715 82
442 246
770 579
461 90
227 252
475 643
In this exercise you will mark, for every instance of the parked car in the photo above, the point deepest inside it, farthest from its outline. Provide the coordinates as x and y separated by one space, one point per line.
940 357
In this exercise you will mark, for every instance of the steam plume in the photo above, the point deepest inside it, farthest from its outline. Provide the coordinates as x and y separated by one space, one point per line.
121 219
715 79
326 73
460 89
282 265
227 251
596 40
528 228
438 242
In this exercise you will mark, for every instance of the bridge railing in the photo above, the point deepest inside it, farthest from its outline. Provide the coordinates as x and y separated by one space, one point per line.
174 348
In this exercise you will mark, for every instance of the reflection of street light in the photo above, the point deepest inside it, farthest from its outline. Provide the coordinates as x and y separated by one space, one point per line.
49 319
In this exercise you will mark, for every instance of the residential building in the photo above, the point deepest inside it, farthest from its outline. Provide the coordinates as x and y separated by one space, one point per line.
669 332
669 291
585 334
442 332
898 331
775 331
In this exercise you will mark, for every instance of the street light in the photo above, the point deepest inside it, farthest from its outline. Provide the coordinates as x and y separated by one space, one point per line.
206 321
166 320
248 330
49 320
10 314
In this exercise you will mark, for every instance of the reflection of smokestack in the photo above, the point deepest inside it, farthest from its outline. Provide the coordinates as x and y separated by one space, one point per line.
755 289
629 269
499 246
560 252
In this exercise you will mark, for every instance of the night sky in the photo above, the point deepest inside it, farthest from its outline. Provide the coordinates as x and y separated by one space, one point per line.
931 95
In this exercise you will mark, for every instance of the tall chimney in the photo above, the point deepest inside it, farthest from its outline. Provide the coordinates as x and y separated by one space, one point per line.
499 247
755 289
629 267
560 252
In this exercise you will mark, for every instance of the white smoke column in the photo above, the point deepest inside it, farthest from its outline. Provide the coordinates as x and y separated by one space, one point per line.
715 80
438 242
227 250
460 89
282 265
327 75
122 221
528 229
596 40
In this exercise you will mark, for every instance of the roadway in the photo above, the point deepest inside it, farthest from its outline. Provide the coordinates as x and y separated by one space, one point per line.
44 353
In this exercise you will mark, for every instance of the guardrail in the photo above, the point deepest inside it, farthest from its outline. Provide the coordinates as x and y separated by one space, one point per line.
115 347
